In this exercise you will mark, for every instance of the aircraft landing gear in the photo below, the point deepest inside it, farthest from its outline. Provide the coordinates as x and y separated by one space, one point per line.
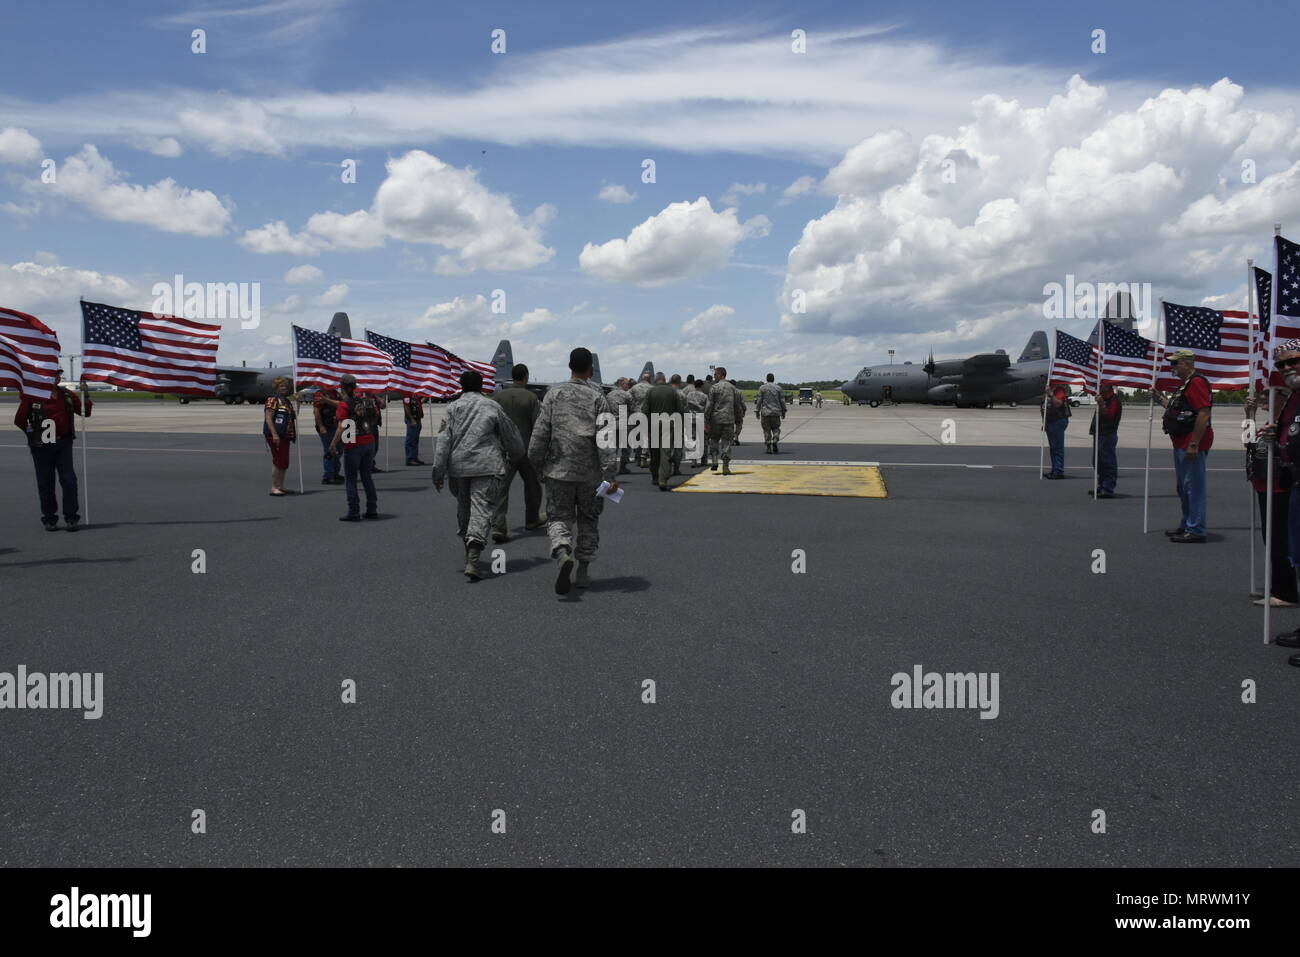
230 399
874 403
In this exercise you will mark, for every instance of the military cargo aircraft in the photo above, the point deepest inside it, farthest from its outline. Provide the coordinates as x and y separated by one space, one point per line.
977 381
241 384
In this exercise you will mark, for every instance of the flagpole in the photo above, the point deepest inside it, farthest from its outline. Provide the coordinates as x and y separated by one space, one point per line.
1157 349
85 424
1252 322
1096 432
302 488
1042 410
1268 517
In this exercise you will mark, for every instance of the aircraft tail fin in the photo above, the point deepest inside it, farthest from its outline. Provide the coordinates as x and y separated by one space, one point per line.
595 368
503 361
648 370
340 326
1035 348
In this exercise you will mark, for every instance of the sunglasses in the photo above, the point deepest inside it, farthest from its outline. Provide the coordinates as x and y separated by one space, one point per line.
1287 363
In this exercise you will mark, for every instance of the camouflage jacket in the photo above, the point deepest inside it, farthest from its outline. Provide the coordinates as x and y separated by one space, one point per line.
725 406
696 399
638 393
619 397
563 446
475 438
771 400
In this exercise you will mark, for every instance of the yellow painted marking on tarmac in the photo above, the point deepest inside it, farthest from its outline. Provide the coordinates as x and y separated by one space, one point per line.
852 481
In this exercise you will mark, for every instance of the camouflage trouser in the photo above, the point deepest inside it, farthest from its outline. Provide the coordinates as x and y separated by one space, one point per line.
476 502
771 427
740 423
720 439
570 503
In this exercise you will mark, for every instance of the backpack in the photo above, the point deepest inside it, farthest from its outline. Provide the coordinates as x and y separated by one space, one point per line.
365 415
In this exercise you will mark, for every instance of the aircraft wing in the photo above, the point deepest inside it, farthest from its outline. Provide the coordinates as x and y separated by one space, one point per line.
234 374
986 363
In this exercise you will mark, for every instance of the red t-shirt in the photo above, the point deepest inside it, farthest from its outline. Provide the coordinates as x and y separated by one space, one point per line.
345 412
1198 397
54 409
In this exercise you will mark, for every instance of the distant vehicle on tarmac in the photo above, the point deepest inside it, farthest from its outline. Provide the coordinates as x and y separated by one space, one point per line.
805 396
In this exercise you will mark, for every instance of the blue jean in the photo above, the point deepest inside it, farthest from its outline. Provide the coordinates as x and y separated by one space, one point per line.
1293 526
1056 443
413 441
1107 462
329 464
357 462
1191 490
50 458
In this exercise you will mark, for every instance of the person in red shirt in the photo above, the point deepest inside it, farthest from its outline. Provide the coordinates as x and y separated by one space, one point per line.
1105 432
358 430
50 428
1187 423
280 427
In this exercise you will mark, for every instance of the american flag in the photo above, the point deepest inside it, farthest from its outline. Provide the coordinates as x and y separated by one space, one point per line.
140 350
1219 340
417 369
457 365
1263 306
1075 362
29 354
321 359
1129 358
1285 301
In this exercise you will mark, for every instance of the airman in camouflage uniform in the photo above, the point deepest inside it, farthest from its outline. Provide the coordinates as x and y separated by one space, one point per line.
565 453
638 393
740 418
770 409
724 407
697 398
473 444
618 398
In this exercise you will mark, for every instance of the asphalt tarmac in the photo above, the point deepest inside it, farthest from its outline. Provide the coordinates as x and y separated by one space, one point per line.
1120 692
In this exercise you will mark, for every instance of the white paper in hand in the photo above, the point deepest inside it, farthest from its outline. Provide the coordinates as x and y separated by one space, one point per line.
602 491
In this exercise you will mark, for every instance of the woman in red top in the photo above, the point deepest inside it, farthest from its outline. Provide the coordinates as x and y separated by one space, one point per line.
280 427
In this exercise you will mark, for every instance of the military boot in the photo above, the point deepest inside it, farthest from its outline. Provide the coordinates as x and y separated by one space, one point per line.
472 552
726 466
583 579
564 567
775 450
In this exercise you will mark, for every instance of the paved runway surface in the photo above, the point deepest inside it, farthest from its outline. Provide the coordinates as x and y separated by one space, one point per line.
1119 692
829 425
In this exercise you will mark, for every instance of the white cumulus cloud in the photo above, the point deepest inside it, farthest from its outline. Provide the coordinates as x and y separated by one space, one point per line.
961 231
684 239
89 179
615 194
300 275
424 200
17 146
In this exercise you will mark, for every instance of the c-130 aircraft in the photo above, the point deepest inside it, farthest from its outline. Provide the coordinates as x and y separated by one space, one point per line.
977 381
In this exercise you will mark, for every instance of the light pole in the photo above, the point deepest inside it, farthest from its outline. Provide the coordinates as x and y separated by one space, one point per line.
891 357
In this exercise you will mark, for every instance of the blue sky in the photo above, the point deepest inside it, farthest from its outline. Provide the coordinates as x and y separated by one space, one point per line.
480 172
